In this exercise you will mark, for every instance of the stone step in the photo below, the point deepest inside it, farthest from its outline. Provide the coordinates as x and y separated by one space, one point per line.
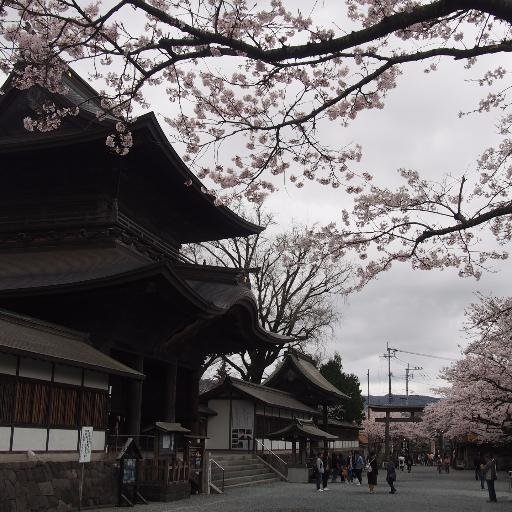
239 464
246 479
238 467
253 467
253 482
245 472
253 473
236 457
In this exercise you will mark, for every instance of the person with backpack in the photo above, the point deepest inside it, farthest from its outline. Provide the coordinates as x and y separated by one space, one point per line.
319 471
372 470
358 468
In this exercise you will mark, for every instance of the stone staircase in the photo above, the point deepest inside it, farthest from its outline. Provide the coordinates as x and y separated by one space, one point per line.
241 470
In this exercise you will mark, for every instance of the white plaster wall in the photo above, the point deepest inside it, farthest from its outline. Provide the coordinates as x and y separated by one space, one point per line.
29 439
5 439
60 439
95 380
218 426
68 375
242 424
98 440
8 364
344 444
35 369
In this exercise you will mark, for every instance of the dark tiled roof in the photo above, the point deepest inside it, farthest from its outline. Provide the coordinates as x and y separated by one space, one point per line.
302 428
343 424
304 366
27 336
267 396
171 427
57 267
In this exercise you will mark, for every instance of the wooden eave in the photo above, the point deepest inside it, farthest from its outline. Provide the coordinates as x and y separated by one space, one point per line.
228 222
204 308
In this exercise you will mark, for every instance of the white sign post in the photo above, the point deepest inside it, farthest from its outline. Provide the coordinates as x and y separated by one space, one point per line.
84 456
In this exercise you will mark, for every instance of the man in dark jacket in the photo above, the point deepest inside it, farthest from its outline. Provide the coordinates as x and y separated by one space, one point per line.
391 476
490 476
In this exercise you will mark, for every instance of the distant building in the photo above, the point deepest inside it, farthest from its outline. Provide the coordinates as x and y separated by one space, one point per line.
294 397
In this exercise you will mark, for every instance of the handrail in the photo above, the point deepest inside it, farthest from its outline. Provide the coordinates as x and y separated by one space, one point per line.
221 468
270 451
217 464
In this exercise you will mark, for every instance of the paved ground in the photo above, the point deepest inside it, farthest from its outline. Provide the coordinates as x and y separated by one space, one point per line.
421 491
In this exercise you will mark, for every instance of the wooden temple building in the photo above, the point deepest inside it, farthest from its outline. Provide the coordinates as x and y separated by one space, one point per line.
289 409
100 311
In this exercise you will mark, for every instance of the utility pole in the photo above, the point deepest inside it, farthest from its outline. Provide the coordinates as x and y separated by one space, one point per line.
390 352
409 375
368 394
388 356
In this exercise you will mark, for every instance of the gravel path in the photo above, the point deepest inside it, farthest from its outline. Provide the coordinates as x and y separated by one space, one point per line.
421 491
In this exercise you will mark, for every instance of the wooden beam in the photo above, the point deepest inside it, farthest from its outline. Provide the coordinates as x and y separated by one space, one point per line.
398 420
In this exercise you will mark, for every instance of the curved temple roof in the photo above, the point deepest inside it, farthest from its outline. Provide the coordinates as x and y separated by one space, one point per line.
301 429
262 394
303 366
151 152
205 288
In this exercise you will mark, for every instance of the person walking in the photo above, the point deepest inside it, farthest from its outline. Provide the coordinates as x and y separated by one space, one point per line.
447 462
372 469
358 468
391 476
350 468
335 467
408 462
319 466
327 471
481 472
491 475
477 461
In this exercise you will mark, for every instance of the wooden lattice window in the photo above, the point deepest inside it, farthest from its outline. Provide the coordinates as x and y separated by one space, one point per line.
94 409
7 396
64 407
31 403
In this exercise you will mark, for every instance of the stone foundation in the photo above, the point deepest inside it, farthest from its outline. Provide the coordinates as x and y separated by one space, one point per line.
53 486
172 492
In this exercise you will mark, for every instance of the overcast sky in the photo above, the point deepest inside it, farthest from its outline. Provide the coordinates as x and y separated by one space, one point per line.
412 310
416 311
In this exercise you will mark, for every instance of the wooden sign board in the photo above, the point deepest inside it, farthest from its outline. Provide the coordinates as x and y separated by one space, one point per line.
85 448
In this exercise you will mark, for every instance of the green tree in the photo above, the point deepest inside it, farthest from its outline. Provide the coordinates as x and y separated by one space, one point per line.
222 372
350 410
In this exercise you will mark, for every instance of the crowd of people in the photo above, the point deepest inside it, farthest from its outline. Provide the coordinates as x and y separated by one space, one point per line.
349 469
328 467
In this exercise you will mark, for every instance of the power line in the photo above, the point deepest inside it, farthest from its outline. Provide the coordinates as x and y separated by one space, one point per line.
422 355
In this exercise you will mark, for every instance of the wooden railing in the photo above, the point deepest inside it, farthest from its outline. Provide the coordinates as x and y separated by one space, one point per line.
164 471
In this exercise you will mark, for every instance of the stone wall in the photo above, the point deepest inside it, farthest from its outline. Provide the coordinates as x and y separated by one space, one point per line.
53 486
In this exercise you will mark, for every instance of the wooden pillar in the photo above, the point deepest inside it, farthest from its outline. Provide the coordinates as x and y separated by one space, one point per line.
294 451
195 377
171 372
325 425
134 418
386 437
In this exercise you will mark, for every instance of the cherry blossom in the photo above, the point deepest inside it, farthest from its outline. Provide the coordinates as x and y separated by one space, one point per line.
283 76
